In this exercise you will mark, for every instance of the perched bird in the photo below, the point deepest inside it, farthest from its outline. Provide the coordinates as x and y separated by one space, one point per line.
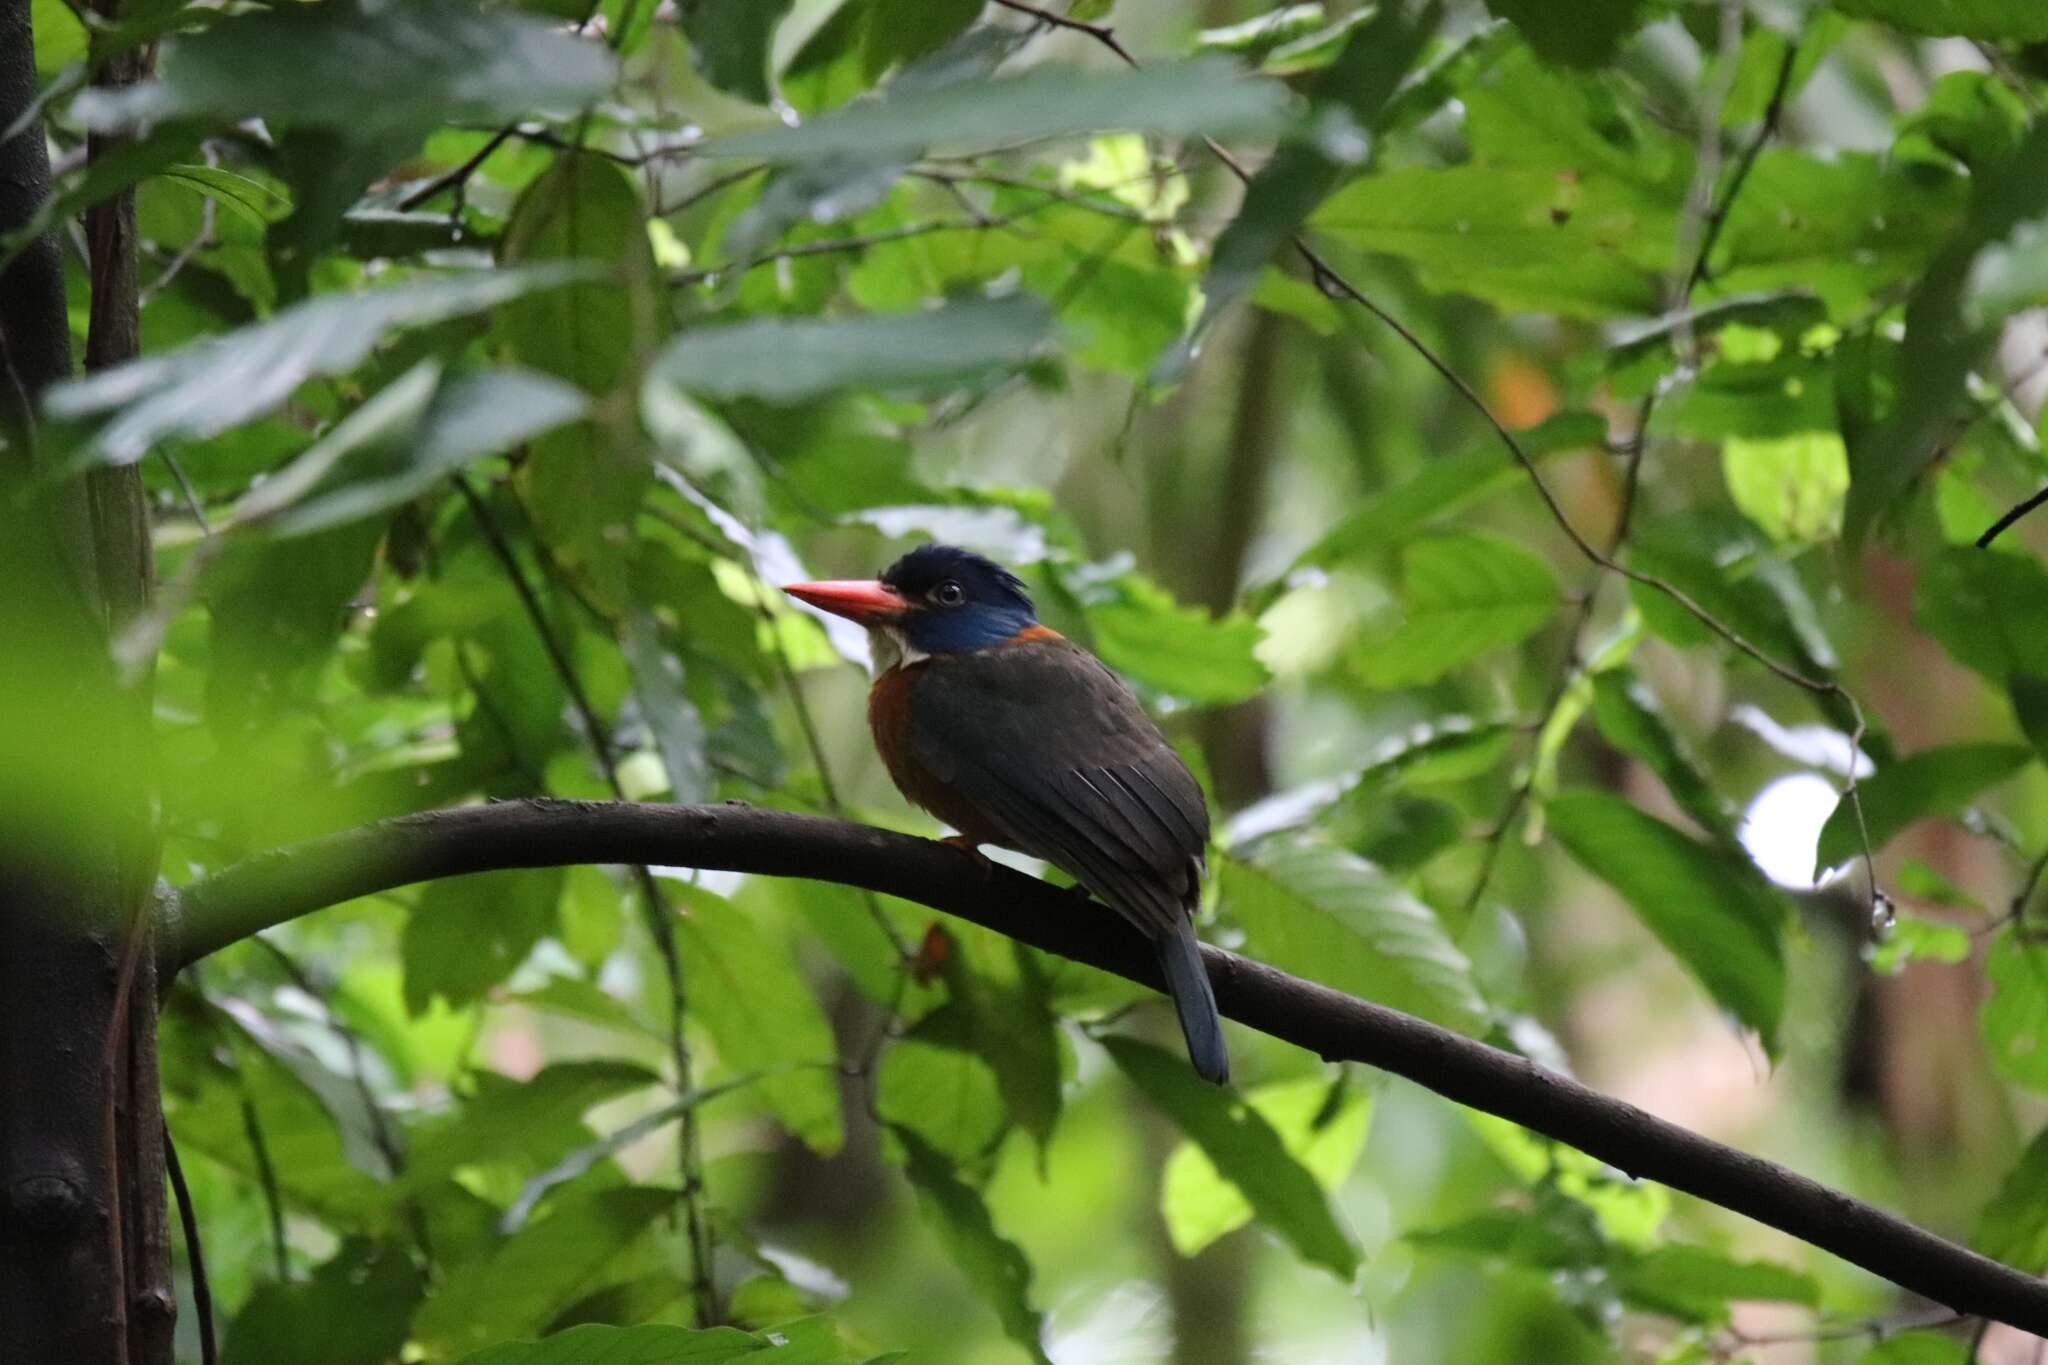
1017 737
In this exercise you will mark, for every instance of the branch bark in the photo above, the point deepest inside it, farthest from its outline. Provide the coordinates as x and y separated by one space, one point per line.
275 887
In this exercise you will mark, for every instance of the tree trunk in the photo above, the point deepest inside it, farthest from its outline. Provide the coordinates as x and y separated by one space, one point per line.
84 1254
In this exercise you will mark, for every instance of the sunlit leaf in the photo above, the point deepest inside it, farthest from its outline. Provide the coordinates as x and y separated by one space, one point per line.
1461 596
1717 916
763 1015
1312 908
1245 1151
532 1276
1321 1123
1791 486
1994 20
1918 787
994 1265
2014 1020
2013 1227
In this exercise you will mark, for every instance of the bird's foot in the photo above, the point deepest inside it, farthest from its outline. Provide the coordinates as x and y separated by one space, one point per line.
973 850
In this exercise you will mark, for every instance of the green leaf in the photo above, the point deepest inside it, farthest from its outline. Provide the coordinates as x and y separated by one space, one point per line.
994 1265
666 709
1138 629
257 203
1446 486
1244 1149
1698 1285
1946 335
365 71
1628 1212
746 990
208 386
1208 96
1584 34
1933 782
524 1124
1322 1123
1913 939
356 1307
363 468
1791 486
1984 608
1005 1003
798 359
1313 908
2014 1020
1632 720
1716 915
522 1285
1521 238
935 1084
1916 879
1916 1348
1992 20
1280 197
1842 226
647 1344
470 933
2013 1227
730 41
586 208
1462 594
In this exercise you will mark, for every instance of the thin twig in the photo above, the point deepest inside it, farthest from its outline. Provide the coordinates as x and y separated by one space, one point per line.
2005 523
195 1254
266 1180
1101 33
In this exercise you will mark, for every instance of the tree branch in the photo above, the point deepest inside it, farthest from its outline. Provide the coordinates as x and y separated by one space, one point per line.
272 888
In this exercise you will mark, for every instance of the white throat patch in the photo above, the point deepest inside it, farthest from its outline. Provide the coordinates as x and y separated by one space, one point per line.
890 649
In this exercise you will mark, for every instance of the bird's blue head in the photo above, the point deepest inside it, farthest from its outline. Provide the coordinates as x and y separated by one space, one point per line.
938 599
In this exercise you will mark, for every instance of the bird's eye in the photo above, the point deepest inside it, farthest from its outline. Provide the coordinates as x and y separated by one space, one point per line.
949 594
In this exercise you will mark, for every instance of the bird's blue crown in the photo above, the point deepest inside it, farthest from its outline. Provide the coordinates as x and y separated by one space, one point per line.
961 601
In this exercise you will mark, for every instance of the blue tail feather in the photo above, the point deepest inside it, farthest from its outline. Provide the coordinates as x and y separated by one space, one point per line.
1187 981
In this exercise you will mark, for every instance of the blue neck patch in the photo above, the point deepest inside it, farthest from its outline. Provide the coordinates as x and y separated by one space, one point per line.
965 629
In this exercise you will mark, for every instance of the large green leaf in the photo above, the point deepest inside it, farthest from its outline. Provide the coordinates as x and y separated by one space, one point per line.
1946 336
1462 595
373 461
1245 1151
1584 34
993 1264
1632 720
209 386
1695 1284
1992 20
524 1124
1716 915
798 359
1001 994
1374 58
541 1270
470 933
1984 608
1206 96
745 988
1519 237
730 42
1316 909
935 1084
2013 1227
2015 1019
355 1308
363 70
1139 630
1918 787
1322 1123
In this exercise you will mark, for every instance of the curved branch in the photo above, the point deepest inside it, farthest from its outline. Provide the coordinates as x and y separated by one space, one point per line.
275 887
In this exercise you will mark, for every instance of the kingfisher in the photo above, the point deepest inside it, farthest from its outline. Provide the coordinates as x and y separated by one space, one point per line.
1017 737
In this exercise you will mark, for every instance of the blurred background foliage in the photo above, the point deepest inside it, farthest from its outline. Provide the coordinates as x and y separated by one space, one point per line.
500 361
